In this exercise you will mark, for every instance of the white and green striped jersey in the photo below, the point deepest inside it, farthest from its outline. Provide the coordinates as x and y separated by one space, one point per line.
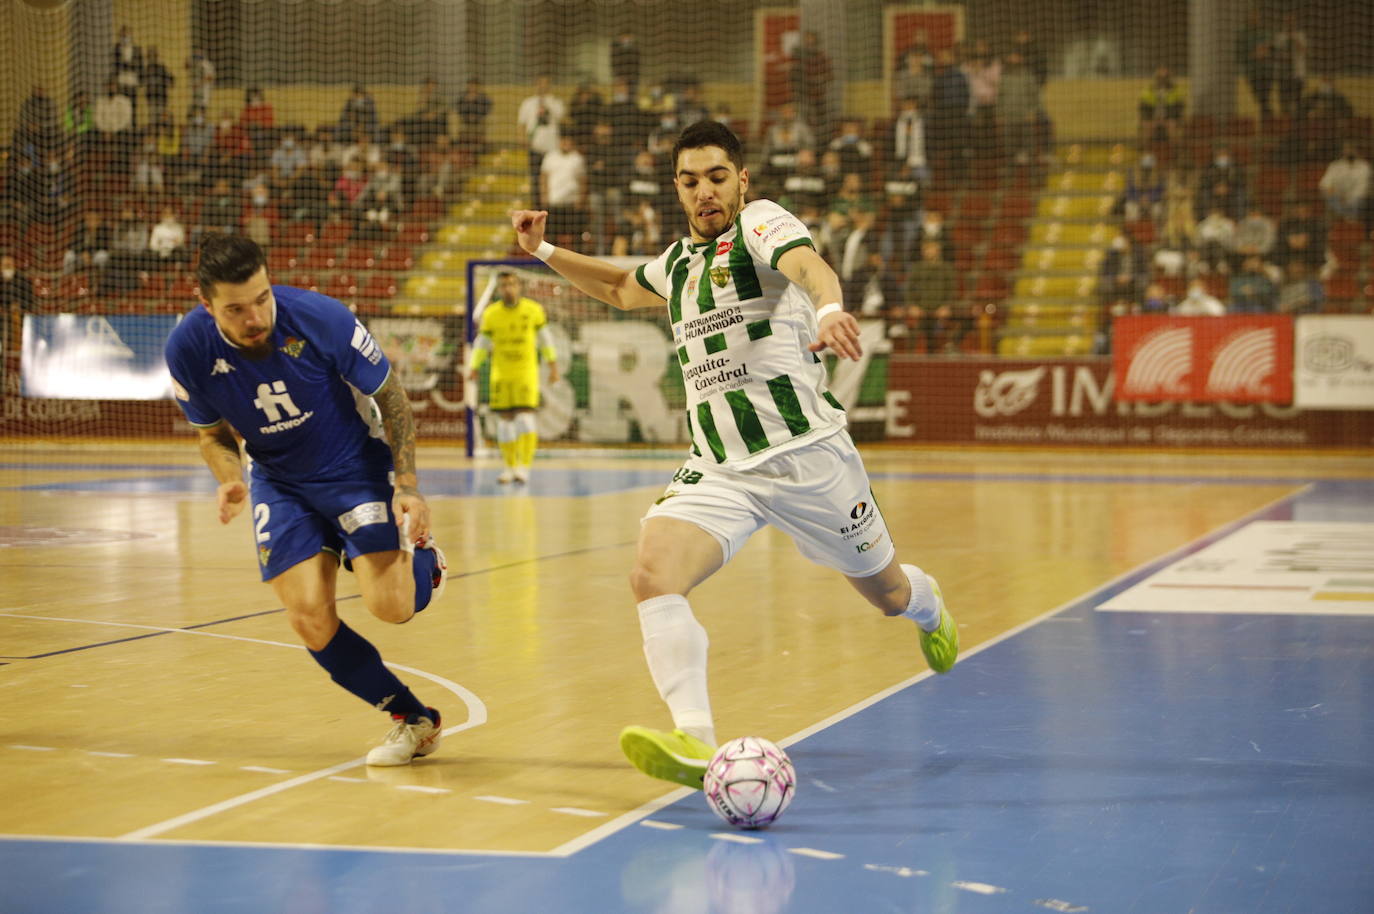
742 329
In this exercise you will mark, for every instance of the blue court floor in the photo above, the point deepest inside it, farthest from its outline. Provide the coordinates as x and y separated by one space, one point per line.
1092 761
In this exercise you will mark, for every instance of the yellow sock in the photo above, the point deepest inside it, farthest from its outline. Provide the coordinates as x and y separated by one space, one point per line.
510 453
527 443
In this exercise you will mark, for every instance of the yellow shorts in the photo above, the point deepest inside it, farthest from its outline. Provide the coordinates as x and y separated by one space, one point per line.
514 390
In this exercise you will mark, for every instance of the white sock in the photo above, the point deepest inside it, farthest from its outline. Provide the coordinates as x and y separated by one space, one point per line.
675 646
922 608
507 430
525 423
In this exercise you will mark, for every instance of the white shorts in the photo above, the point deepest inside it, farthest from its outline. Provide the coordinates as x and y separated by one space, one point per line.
818 494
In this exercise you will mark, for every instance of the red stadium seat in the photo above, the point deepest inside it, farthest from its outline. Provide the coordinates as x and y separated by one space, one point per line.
358 257
397 257
378 286
991 287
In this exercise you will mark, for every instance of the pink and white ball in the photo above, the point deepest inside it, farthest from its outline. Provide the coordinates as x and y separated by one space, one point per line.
749 782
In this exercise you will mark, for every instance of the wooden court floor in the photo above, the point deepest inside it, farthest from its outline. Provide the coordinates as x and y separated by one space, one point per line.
151 689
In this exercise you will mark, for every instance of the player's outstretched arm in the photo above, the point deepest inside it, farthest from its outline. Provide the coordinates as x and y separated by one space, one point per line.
601 280
220 449
399 423
839 331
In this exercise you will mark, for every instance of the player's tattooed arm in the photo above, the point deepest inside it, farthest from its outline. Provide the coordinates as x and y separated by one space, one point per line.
219 446
809 270
399 423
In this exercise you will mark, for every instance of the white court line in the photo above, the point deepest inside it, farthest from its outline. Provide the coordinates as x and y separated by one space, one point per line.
574 811
262 769
505 801
188 761
477 716
421 788
813 852
33 748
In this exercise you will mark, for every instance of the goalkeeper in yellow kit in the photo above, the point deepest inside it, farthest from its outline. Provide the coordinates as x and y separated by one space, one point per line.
514 332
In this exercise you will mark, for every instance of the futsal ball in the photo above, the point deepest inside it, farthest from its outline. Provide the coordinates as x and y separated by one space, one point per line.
749 782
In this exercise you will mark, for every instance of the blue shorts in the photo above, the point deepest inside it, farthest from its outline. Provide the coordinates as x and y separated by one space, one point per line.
296 521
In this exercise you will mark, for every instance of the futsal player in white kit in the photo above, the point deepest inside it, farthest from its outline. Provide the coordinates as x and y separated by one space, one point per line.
752 304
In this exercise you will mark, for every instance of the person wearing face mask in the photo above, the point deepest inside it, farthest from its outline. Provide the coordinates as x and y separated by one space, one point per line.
856 153
168 238
1345 184
287 160
540 116
1222 184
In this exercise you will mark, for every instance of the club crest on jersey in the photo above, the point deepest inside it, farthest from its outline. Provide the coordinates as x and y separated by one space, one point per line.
221 367
724 247
720 276
293 347
264 553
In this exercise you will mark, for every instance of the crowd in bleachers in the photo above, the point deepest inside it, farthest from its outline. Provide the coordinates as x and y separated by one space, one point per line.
953 164
104 200
1244 215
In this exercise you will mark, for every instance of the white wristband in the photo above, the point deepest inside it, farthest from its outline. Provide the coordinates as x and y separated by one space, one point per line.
544 251
825 310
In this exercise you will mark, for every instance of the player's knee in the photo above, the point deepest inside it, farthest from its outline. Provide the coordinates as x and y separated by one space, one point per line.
649 579
314 625
392 609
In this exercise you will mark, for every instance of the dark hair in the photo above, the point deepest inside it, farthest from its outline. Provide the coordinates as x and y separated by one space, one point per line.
710 133
227 258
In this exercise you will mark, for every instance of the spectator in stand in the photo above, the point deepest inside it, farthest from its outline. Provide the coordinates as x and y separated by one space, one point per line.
1324 116
157 85
1345 184
926 318
362 152
129 252
260 216
1256 234
860 261
376 215
810 78
1254 53
168 239
1222 184
1161 109
1290 63
90 248
852 195
1156 300
1178 233
1302 236
147 164
350 185
473 107
909 158
690 105
222 211
309 194
385 179
78 120
984 73
933 228
1122 273
540 117
167 143
625 61
903 195
359 114
126 68
257 114
632 123
805 188
197 143
38 126
16 289
663 136
1301 292
201 72
232 151
564 189
607 162
913 76
1198 302
1022 43
832 172
585 109
647 186
114 120
948 123
1143 197
1216 236
287 160
429 120
403 162
787 136
1252 291
856 153
1018 109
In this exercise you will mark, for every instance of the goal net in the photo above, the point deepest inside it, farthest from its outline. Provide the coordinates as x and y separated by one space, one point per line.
1020 200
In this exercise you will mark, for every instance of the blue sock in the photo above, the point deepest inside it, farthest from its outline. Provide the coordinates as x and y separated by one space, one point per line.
352 662
423 566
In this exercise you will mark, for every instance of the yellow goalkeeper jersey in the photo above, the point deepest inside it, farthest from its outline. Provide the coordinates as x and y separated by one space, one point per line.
513 331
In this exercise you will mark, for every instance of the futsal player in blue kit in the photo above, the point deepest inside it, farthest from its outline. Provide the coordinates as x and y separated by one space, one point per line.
330 441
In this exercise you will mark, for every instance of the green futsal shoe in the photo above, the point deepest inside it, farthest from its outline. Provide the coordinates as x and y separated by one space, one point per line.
941 646
670 756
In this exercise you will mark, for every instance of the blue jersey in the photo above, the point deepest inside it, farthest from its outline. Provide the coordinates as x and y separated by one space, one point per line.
305 412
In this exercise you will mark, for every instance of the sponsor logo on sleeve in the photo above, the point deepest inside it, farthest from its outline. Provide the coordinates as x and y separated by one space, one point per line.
365 344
